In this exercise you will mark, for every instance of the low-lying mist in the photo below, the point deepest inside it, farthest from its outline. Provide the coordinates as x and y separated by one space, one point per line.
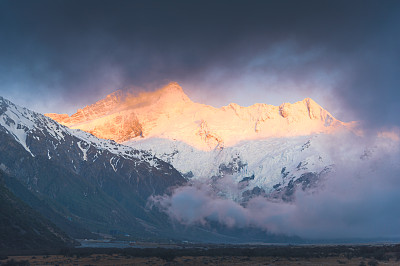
358 199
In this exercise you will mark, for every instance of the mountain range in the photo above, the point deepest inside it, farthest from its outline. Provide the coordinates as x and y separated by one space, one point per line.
94 172
261 148
70 185
169 113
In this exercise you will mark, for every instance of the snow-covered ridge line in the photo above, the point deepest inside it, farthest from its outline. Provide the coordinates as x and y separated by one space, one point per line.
266 164
19 122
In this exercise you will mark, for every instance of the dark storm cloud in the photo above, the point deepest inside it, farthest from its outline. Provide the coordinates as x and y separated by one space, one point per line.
77 51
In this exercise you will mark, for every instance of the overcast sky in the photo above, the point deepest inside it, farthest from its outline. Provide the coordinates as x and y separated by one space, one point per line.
57 56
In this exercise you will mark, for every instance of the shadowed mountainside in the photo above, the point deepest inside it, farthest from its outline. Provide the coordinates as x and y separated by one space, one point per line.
22 228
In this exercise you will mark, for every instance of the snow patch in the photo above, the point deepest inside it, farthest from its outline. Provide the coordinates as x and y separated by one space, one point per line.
114 163
84 151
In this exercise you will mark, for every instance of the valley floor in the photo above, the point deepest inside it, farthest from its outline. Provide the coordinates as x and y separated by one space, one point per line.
216 255
115 259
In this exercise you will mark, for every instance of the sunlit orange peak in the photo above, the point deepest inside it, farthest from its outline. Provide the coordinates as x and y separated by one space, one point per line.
169 113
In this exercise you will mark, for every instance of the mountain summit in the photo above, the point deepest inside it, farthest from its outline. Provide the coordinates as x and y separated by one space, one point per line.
169 113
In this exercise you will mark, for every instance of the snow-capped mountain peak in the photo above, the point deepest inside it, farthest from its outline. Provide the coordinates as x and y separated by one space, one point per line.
173 92
169 113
